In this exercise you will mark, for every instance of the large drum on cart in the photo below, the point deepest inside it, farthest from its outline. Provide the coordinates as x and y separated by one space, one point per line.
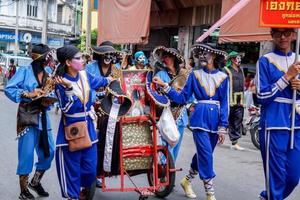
135 149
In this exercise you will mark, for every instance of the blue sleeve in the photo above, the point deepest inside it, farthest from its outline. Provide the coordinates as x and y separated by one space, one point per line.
89 68
267 90
224 103
185 94
163 75
68 102
97 82
15 86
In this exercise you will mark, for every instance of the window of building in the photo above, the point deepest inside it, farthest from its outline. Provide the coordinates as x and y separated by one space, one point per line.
59 13
32 8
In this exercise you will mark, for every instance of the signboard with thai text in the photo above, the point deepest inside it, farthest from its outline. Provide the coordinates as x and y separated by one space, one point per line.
280 13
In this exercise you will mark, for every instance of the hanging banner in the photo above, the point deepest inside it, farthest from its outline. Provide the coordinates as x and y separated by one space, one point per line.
280 13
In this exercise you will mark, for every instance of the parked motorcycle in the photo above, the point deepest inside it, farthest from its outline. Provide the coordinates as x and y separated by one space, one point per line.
253 124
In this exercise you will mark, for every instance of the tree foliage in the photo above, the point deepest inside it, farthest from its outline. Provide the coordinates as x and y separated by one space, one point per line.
94 34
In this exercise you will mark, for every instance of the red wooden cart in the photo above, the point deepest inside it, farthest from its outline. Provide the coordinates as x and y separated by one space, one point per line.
142 157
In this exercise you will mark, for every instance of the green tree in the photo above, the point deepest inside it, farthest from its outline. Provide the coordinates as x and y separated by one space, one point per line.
94 34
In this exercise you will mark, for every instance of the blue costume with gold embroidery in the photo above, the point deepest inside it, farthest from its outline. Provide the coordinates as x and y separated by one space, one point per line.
77 169
25 81
94 70
211 91
281 164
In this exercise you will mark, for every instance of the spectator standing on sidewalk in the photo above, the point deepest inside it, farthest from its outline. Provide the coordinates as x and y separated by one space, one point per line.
11 68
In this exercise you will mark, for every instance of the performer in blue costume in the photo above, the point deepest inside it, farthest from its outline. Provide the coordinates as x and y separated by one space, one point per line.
210 118
78 168
275 72
104 57
33 128
171 59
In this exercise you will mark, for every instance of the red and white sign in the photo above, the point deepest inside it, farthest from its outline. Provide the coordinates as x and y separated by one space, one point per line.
280 13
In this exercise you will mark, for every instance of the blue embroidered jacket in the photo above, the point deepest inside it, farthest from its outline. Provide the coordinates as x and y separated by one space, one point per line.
23 81
211 91
71 103
274 91
93 69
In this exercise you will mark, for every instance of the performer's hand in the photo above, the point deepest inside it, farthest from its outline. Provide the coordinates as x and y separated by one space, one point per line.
221 132
110 79
62 81
295 83
158 81
221 138
35 93
293 71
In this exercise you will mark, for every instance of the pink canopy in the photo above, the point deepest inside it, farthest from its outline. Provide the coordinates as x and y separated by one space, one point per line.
239 22
124 21
244 26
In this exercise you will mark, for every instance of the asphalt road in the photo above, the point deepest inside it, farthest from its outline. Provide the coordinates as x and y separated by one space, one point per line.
239 174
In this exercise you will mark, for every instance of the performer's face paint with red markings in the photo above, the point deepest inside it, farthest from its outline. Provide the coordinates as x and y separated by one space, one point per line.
236 60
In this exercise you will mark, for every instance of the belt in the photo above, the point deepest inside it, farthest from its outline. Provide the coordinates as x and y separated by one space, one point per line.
212 102
90 113
284 100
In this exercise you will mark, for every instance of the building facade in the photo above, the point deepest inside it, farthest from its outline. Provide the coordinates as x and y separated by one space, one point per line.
64 21
94 15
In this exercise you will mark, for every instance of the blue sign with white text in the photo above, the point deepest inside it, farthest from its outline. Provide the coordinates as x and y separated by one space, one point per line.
7 36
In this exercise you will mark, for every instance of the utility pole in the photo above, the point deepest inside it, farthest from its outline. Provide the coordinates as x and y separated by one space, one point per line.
75 18
17 29
88 28
45 22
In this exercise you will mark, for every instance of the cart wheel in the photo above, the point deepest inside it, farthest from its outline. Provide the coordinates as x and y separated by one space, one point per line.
163 191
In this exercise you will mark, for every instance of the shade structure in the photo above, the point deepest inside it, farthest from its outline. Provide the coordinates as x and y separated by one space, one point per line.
124 21
244 26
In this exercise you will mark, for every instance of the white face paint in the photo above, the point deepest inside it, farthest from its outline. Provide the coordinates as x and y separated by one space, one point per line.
108 58
237 60
205 58
141 59
107 61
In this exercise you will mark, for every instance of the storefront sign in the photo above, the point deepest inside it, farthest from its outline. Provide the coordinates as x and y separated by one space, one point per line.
56 42
7 36
280 13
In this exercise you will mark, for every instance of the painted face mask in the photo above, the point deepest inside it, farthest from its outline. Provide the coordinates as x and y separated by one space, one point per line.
109 59
77 63
237 60
141 60
205 58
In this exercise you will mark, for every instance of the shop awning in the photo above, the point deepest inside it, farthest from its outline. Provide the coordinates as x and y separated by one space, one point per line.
124 21
243 27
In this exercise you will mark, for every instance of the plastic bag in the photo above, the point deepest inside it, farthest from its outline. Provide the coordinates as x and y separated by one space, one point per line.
167 127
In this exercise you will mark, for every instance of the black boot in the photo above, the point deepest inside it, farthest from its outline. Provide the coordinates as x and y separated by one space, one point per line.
25 193
88 193
36 185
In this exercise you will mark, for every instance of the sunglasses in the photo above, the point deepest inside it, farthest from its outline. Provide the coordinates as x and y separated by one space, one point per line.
278 34
77 57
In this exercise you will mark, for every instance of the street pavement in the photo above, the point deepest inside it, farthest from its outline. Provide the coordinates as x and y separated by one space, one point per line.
239 173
